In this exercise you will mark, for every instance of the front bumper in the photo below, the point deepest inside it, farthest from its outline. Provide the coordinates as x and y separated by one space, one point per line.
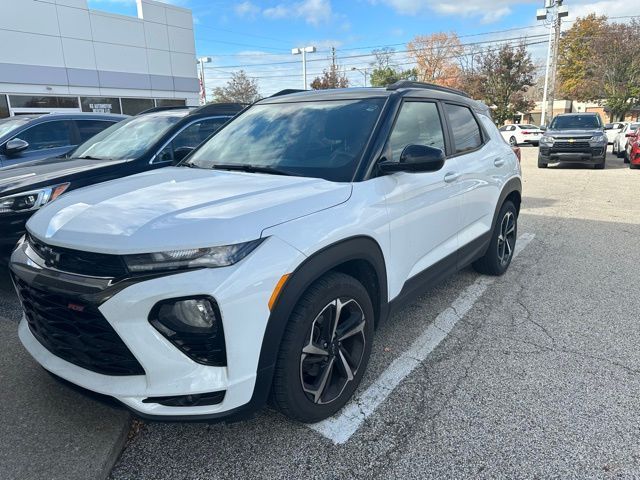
242 292
584 155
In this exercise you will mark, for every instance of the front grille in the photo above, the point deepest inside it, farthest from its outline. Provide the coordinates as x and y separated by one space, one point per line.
79 262
565 146
75 332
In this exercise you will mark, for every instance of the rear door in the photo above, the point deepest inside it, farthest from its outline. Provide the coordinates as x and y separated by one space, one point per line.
46 139
484 162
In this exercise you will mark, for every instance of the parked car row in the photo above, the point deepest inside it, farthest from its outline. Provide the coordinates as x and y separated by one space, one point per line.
518 134
258 267
154 139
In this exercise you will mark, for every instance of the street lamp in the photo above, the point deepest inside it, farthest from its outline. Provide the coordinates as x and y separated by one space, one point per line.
363 72
203 94
303 51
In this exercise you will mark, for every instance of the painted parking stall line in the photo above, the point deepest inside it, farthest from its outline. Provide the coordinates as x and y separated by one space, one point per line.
341 427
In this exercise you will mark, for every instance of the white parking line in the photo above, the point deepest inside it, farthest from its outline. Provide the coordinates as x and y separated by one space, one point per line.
341 427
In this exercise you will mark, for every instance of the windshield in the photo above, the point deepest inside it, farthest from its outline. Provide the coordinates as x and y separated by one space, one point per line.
323 139
127 139
11 124
578 122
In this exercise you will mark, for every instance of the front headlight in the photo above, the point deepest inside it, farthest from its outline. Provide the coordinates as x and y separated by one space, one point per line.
598 139
190 258
32 200
546 140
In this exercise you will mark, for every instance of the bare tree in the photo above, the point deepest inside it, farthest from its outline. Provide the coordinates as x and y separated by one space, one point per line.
240 89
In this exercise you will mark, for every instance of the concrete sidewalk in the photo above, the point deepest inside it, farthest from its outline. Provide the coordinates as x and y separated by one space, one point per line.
49 430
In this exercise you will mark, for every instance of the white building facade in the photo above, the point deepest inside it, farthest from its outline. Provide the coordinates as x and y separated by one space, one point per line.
57 55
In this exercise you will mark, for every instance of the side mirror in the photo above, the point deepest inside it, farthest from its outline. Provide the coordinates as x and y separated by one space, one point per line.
14 146
181 153
416 158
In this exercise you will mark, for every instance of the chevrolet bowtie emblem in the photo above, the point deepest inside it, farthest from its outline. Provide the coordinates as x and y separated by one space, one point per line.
571 140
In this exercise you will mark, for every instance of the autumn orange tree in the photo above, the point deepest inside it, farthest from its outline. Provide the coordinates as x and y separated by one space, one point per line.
436 58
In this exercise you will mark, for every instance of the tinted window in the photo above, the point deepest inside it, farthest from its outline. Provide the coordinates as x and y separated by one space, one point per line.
48 135
417 124
528 127
28 101
133 106
100 104
9 124
189 138
466 132
580 122
323 139
4 106
89 128
170 102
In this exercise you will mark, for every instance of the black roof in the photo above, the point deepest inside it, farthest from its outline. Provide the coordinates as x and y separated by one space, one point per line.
402 88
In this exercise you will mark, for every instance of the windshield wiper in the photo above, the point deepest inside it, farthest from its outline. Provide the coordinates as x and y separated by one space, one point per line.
245 167
89 157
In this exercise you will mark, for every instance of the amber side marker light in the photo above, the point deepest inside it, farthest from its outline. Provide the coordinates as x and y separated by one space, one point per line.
277 290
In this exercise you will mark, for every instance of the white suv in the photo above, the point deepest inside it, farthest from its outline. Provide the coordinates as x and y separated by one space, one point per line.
260 267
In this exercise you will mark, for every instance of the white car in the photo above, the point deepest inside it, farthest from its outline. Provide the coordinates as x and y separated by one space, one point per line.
611 130
260 267
518 134
620 142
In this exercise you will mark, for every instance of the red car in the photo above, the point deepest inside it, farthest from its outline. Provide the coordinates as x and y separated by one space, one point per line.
633 150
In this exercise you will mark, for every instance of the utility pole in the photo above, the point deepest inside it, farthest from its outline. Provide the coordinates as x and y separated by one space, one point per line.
303 51
552 15
333 58
203 92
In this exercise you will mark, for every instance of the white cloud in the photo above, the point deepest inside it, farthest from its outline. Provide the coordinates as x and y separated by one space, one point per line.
610 8
246 9
487 11
313 12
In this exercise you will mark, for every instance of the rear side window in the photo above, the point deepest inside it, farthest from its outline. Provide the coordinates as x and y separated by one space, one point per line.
466 132
47 135
89 128
418 124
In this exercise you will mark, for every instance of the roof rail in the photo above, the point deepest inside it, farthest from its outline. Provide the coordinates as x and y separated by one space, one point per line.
219 109
431 86
287 91
162 109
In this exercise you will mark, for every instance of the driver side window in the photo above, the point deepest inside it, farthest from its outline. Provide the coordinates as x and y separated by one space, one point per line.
188 139
417 124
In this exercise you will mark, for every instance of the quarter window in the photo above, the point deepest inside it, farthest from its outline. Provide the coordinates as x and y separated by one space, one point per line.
418 124
48 135
466 132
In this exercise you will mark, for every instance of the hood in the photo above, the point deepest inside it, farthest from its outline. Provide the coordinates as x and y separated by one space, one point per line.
573 133
177 207
50 171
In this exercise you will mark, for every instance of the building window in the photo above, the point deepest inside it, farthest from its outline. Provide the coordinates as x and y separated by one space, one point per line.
4 106
170 102
32 101
100 104
133 106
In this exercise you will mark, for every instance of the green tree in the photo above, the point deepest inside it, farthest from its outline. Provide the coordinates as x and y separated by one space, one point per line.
578 69
332 78
240 89
501 80
383 77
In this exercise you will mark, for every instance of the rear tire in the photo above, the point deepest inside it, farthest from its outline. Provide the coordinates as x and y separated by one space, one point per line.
513 142
498 256
321 362
625 157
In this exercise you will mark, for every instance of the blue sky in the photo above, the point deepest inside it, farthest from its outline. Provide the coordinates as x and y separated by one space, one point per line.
250 33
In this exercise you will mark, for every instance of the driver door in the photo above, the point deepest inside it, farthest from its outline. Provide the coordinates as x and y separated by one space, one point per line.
425 207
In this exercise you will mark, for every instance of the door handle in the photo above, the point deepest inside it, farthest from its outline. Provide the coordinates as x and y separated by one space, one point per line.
498 162
451 177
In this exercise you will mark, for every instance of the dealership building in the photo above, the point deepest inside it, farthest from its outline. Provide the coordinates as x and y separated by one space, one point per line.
60 56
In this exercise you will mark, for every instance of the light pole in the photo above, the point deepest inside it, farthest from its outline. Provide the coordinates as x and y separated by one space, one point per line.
363 72
303 51
203 94
552 14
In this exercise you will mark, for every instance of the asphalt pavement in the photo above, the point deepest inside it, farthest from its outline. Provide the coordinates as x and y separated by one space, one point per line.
535 376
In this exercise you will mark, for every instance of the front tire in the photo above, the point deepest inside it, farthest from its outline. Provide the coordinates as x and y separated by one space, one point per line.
600 166
498 257
325 349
